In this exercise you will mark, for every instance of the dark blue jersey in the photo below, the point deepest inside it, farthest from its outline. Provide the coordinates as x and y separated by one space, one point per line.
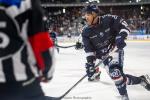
99 38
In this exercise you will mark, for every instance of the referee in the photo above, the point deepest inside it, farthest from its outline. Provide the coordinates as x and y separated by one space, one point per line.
25 57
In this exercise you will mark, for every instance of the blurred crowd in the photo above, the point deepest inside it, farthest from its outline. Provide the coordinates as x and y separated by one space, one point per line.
66 23
98 1
70 21
140 23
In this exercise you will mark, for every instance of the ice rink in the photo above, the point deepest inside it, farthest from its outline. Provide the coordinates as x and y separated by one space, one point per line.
70 63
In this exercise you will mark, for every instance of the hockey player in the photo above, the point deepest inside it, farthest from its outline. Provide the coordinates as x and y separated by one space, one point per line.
25 57
53 35
99 37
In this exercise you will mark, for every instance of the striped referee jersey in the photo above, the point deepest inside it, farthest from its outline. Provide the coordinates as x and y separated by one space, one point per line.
24 44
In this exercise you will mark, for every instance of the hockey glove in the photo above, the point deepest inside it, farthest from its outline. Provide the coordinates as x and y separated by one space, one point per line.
78 45
120 43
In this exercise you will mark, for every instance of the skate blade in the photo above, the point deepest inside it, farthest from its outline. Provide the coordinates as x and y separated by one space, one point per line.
148 78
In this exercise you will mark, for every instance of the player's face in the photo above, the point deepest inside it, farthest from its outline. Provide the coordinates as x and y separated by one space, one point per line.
89 18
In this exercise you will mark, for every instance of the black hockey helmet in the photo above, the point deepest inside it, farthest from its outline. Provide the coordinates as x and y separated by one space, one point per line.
91 8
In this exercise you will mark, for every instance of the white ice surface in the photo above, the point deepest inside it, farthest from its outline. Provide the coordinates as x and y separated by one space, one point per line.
69 65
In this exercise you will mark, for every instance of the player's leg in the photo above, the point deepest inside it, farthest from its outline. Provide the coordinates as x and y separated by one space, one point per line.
115 70
145 81
121 79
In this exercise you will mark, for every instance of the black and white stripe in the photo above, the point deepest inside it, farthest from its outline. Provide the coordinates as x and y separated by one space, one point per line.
20 66
17 68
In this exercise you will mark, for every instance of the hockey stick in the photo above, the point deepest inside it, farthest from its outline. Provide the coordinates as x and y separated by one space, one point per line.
64 46
68 46
59 98
100 62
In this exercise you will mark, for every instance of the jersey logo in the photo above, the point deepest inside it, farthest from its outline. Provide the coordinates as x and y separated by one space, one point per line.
115 73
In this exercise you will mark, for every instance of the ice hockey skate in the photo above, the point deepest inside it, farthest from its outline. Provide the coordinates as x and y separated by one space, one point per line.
96 76
145 81
124 97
